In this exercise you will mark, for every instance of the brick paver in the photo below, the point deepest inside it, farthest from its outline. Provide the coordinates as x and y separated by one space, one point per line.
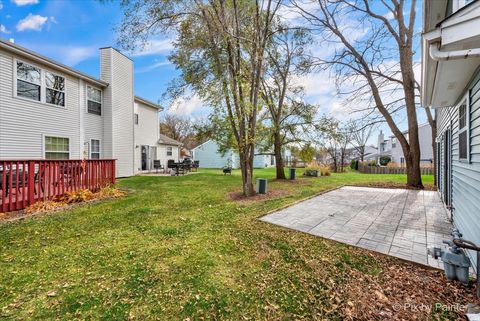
398 222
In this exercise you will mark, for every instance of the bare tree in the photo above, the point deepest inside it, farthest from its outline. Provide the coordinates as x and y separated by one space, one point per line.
344 138
367 38
288 114
361 132
220 50
177 127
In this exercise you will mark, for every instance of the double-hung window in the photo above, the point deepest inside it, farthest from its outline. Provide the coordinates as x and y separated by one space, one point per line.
94 149
463 131
55 89
94 101
169 151
136 119
28 81
57 147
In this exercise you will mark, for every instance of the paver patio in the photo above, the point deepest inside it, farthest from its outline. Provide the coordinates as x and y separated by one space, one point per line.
398 222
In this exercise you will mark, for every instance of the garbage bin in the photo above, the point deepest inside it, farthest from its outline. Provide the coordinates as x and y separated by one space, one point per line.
292 173
261 185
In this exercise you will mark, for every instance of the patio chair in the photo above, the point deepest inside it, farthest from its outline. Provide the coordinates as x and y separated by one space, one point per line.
227 170
196 165
157 165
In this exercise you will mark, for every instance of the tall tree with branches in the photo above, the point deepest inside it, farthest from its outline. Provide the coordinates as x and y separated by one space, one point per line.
220 49
369 38
361 132
288 115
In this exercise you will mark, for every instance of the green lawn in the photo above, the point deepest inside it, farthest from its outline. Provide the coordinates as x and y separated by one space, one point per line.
177 248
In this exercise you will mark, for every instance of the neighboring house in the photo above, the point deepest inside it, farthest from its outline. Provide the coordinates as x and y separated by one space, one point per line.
451 84
169 149
391 147
51 111
209 156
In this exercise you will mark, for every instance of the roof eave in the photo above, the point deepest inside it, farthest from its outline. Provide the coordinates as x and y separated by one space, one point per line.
26 53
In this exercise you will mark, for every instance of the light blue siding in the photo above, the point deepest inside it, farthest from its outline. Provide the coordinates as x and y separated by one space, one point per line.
465 174
209 156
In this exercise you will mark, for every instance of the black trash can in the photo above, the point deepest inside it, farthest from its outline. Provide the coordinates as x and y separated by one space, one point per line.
261 185
292 173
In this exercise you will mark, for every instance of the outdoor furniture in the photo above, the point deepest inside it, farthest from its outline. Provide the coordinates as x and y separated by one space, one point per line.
157 165
196 165
227 170
15 182
178 168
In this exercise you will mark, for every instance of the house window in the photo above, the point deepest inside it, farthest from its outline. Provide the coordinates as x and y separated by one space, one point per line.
94 101
169 151
94 149
57 147
136 119
463 131
394 142
55 91
28 81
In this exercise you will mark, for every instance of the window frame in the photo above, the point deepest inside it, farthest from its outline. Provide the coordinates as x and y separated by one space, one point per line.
99 148
16 78
43 85
100 102
44 145
64 88
465 100
170 150
135 118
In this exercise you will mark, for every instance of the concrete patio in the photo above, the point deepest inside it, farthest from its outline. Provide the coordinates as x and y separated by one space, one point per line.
398 222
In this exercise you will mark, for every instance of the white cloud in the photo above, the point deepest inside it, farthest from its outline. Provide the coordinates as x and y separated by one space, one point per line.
186 106
155 47
153 66
74 55
1 5
4 29
24 2
32 22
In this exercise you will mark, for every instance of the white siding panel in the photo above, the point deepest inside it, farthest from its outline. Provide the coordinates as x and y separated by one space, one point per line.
23 122
146 132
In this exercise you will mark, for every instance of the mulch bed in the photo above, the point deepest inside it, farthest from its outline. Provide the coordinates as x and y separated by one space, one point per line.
406 292
239 197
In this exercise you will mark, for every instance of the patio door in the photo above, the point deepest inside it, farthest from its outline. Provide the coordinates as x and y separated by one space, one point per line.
144 151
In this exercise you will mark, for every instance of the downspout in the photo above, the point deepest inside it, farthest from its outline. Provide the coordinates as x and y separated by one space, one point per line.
438 55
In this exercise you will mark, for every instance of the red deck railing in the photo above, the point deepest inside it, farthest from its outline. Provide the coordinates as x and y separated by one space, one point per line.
24 182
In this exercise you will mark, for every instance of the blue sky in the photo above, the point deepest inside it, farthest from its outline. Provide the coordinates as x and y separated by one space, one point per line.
71 32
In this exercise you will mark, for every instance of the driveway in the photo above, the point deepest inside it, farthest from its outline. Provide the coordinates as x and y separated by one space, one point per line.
398 222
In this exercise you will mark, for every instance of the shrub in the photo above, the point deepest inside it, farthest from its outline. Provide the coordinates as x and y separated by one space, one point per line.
372 163
354 164
384 160
324 171
392 165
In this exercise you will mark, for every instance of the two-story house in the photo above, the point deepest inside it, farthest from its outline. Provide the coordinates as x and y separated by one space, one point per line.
51 111
392 149
451 85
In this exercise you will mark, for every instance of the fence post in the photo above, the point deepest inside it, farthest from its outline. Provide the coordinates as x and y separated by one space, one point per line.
113 171
31 182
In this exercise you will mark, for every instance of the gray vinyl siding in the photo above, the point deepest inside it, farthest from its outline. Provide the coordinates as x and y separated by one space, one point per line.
23 123
465 174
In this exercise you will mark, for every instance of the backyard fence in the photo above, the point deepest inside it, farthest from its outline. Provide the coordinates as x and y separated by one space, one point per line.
362 168
24 182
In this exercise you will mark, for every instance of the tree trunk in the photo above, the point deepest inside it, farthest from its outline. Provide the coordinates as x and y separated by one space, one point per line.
278 157
246 167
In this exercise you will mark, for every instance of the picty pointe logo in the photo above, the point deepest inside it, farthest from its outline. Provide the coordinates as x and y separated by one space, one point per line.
437 307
